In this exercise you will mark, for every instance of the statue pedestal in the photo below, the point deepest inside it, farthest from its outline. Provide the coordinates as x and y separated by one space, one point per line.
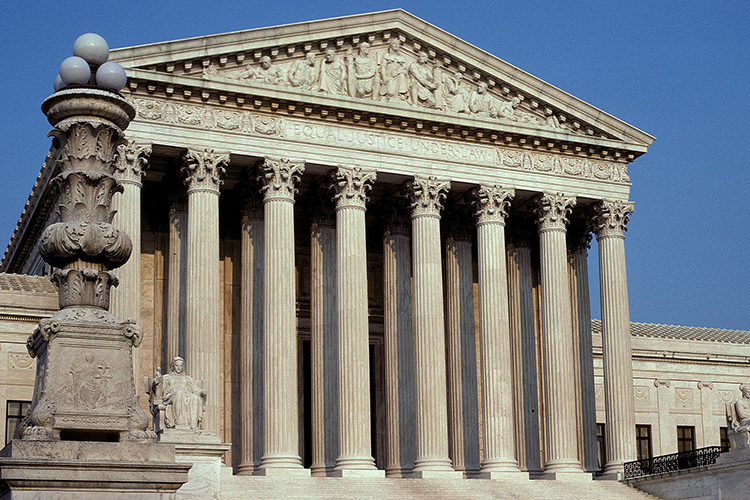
65 470
205 451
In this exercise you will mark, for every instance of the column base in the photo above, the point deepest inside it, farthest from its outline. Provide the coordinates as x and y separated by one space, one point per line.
435 474
397 472
612 476
503 475
566 476
357 473
282 472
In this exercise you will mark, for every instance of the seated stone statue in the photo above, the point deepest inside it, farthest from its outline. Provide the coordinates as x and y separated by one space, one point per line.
176 400
738 420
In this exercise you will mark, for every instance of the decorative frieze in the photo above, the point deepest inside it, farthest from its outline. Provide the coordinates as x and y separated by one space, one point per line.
574 166
204 170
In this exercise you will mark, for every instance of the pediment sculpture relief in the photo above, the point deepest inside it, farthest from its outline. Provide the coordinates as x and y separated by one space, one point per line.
390 74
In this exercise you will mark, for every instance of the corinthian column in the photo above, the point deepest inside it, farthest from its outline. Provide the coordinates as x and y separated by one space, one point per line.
130 163
251 328
427 198
280 410
557 338
610 221
323 341
523 346
351 186
581 310
174 344
204 171
463 401
398 341
491 203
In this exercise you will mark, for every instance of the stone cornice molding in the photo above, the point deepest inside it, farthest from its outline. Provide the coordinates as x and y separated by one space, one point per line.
204 170
280 178
131 162
351 186
552 210
611 218
427 196
491 203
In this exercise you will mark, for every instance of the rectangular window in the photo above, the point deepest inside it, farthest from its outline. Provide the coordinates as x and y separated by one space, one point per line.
723 437
15 410
643 441
601 448
685 438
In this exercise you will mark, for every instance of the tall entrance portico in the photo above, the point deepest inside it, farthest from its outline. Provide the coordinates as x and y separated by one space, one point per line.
352 195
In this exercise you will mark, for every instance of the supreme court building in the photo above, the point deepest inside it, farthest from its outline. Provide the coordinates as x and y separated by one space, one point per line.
368 240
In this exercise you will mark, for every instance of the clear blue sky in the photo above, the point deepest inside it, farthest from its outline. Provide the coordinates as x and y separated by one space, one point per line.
677 70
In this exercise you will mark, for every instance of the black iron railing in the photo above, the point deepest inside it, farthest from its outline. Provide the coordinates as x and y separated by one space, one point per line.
674 462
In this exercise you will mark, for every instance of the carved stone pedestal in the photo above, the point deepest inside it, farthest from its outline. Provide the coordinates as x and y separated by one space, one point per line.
76 470
84 380
204 450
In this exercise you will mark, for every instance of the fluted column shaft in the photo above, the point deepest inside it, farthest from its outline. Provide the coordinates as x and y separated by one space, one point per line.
557 336
176 284
610 223
204 171
463 400
352 186
585 396
428 196
491 203
125 302
399 351
251 333
523 350
280 382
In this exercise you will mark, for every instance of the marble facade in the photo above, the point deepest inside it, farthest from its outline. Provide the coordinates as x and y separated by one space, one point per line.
276 161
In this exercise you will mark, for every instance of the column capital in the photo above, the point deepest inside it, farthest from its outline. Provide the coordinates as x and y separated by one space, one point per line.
204 170
427 196
579 237
491 203
320 204
458 222
131 162
519 231
393 213
611 218
553 210
351 186
250 198
176 194
280 177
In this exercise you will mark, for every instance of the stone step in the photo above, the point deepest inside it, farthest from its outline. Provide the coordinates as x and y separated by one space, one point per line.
243 487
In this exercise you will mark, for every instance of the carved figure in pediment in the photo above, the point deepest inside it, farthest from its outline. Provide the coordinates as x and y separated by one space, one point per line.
267 73
423 82
364 80
453 95
482 103
302 74
393 74
176 398
332 74
210 71
508 109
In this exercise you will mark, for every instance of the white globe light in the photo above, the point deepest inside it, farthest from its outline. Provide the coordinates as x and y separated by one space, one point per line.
58 83
75 70
91 47
111 75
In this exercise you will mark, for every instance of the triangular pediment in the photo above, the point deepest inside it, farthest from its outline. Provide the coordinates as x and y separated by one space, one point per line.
389 66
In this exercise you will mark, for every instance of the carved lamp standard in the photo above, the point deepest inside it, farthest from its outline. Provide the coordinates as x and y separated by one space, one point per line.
84 381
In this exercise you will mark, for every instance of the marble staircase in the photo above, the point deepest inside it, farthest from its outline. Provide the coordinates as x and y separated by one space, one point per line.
243 487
